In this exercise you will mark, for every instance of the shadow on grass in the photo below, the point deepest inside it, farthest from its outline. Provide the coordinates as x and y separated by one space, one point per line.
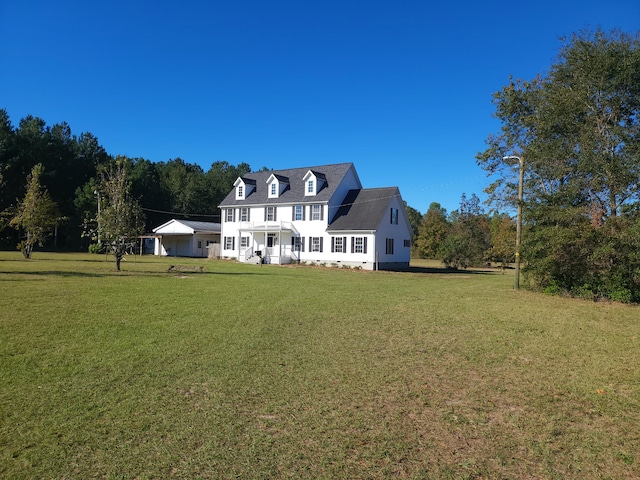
123 273
452 271
48 273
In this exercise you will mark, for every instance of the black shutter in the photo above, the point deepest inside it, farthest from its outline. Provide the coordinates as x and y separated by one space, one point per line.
353 244
275 213
265 213
302 243
311 244
321 242
364 246
344 244
333 244
293 214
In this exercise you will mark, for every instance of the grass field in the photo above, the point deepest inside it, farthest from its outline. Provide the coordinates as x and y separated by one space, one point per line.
241 371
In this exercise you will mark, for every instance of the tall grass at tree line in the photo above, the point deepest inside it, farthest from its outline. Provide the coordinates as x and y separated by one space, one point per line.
242 371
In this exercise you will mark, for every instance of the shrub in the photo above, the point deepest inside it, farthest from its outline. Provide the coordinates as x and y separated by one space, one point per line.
553 288
96 248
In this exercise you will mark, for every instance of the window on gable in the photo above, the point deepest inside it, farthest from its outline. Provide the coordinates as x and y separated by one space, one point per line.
273 189
316 212
240 191
389 250
310 186
394 216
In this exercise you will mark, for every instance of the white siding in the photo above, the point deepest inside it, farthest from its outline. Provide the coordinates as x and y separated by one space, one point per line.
398 232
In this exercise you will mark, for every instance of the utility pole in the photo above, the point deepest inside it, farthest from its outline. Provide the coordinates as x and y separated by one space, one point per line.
516 283
96 192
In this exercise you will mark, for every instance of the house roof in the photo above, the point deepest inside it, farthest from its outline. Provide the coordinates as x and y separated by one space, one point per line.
363 209
295 191
196 227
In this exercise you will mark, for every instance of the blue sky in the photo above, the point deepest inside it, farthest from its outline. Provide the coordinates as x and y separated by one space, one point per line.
402 89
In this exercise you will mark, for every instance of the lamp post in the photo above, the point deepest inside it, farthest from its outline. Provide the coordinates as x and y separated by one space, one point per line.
96 192
516 284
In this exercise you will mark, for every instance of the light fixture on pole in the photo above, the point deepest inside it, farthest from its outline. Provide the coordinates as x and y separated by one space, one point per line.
97 192
516 283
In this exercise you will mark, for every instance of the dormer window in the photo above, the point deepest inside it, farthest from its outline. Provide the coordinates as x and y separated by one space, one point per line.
244 187
314 182
276 185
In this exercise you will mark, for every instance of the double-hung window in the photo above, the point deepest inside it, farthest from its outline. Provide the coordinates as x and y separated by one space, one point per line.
298 212
394 216
316 212
229 243
315 244
389 249
358 245
244 242
338 244
244 214
230 215
270 214
297 243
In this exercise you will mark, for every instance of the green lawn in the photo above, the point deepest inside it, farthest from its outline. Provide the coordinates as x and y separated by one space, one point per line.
242 371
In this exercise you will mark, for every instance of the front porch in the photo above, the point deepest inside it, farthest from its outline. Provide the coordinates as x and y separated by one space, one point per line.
268 242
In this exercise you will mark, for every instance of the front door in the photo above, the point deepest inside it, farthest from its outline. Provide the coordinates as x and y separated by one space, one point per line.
272 244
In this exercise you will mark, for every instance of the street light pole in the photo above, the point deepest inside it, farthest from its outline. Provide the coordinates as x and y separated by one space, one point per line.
96 192
516 283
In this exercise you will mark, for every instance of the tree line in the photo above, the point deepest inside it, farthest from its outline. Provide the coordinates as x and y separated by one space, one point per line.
69 169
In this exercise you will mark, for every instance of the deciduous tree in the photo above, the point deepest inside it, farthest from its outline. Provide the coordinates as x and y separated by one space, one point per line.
121 219
468 239
432 232
36 214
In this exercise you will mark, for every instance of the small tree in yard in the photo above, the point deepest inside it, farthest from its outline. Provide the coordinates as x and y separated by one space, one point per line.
121 219
36 214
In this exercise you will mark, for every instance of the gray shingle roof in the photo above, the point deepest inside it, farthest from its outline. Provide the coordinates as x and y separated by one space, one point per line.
363 209
201 226
295 192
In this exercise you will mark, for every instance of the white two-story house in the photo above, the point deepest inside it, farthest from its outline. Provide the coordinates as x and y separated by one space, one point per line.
319 215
